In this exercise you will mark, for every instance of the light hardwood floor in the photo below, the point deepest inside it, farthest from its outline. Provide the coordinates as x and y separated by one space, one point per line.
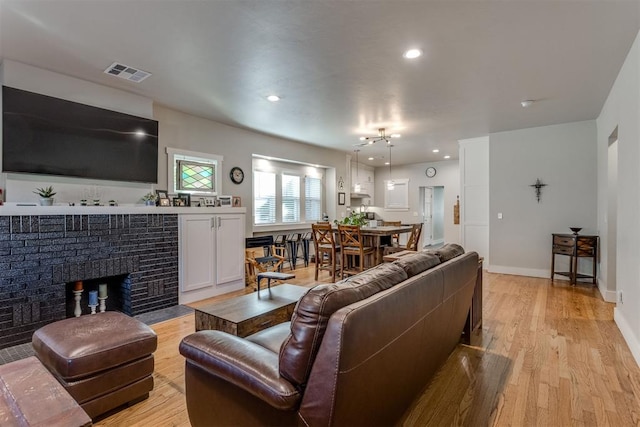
548 355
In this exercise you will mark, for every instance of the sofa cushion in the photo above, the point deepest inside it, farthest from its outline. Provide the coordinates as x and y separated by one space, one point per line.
417 263
312 313
448 251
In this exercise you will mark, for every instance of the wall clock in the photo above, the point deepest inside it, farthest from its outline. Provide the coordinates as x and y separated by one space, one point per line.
236 174
430 172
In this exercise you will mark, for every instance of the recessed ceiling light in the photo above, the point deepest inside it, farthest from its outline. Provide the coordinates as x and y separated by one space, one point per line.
273 98
526 103
370 158
412 53
447 157
395 135
435 150
386 163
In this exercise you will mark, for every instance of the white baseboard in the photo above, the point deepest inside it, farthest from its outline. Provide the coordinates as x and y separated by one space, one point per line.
627 334
517 271
608 296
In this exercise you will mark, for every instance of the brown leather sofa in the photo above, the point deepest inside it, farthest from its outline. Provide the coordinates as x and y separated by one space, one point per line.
356 352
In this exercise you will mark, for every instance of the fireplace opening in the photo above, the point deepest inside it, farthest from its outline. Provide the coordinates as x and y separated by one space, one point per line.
115 287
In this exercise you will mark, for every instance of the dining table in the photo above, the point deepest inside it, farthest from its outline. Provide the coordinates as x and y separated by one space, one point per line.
375 234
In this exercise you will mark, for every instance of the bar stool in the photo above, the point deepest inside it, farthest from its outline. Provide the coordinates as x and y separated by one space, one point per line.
306 238
294 241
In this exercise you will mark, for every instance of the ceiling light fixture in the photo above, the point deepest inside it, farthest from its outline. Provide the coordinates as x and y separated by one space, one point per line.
382 136
390 183
412 53
370 158
447 157
273 98
435 150
526 103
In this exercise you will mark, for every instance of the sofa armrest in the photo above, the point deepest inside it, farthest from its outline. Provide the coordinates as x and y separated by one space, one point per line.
242 363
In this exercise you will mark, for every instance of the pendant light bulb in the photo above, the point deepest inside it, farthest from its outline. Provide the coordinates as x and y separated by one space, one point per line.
390 183
357 187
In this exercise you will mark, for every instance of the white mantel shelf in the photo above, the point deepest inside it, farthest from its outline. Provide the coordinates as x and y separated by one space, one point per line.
7 210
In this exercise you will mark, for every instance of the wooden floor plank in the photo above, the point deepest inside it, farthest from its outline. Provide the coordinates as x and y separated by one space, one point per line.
548 354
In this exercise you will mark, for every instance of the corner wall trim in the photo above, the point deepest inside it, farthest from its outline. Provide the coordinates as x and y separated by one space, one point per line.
627 334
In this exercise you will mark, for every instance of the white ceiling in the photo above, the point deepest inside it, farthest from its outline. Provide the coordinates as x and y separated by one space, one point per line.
338 64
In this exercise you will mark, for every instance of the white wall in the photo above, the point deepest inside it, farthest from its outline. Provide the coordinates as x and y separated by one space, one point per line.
176 130
564 158
19 187
448 176
622 110
183 131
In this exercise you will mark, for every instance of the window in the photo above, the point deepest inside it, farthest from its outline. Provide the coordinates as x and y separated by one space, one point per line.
312 198
192 172
286 193
290 198
195 176
264 197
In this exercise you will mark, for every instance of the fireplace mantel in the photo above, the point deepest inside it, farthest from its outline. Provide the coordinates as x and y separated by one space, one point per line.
20 209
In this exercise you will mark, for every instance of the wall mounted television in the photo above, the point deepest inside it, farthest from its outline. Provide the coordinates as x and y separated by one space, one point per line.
46 135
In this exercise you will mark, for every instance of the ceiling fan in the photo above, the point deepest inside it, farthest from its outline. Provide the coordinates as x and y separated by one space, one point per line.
382 136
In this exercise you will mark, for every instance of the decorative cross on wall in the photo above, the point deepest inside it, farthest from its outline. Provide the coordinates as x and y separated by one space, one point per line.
538 186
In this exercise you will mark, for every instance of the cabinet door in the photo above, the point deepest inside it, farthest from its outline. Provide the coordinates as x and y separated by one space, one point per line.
230 248
197 251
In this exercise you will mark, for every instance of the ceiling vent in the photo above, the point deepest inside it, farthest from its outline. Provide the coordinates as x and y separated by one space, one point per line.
126 72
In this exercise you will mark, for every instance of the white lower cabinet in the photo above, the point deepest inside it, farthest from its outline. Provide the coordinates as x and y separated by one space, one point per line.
211 255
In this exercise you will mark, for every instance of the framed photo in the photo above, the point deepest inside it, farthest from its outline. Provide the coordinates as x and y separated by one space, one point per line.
164 202
225 200
177 201
186 197
162 194
236 201
341 198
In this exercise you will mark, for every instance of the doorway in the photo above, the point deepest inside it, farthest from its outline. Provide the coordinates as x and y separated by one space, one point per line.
432 215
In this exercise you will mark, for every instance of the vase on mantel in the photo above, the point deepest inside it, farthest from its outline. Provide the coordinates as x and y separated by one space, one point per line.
46 201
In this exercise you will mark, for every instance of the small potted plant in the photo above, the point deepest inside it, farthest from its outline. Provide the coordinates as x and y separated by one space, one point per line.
149 199
46 195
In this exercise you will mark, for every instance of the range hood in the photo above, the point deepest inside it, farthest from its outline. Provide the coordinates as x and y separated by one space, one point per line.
360 196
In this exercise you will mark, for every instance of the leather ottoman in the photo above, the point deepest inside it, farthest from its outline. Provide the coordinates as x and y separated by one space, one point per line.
103 360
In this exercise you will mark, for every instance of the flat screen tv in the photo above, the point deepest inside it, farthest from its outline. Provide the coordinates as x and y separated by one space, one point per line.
45 135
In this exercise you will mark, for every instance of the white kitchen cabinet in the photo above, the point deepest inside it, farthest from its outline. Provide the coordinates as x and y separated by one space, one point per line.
211 255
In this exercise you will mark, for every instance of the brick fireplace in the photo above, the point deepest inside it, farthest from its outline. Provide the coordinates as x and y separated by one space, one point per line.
41 254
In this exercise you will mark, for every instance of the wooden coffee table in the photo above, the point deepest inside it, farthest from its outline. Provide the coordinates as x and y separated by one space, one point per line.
250 313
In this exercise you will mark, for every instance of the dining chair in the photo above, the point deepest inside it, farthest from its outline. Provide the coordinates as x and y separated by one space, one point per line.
353 250
326 249
412 242
394 239
259 260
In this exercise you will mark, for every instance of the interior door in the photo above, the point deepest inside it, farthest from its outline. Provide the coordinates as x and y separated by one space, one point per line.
427 216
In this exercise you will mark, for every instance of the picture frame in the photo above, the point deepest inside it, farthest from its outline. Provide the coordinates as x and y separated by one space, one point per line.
225 200
186 197
178 202
164 202
341 198
236 202
162 194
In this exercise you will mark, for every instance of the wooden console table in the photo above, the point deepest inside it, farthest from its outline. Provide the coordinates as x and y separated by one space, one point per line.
31 396
574 246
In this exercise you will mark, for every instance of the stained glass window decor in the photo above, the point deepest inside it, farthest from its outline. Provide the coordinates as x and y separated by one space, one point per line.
195 176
